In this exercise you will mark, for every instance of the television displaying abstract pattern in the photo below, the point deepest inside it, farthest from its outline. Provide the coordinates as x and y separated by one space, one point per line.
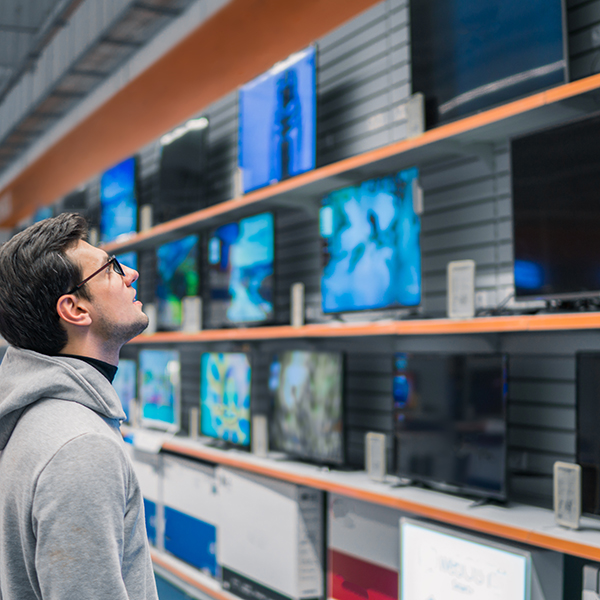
225 396
371 245
118 200
277 124
125 384
176 277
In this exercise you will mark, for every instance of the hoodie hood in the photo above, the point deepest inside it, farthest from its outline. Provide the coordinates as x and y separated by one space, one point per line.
27 376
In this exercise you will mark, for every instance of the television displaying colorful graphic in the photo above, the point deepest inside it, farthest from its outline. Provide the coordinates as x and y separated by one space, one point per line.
225 397
176 277
160 392
371 245
129 259
118 199
125 384
307 416
240 257
277 129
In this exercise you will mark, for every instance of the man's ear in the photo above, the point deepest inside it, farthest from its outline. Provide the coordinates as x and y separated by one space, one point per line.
73 311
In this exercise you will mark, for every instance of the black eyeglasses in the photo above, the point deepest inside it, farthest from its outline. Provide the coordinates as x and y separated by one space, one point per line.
112 261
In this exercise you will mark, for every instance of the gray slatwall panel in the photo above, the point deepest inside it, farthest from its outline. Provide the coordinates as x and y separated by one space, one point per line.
583 22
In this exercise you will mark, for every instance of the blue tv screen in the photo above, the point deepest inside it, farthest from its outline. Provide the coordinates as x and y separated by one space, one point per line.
160 389
240 257
176 277
371 245
118 219
277 124
225 396
129 259
125 384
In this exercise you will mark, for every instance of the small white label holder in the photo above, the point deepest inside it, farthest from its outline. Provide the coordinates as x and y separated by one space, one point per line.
260 435
297 305
461 289
146 217
191 314
150 310
193 429
375 456
567 494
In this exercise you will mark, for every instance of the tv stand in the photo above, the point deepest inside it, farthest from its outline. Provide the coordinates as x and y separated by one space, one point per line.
574 305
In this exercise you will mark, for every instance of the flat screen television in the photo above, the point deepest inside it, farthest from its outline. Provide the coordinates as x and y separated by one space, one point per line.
125 384
450 421
308 416
118 200
129 259
160 389
225 379
182 171
46 212
176 277
471 55
240 278
588 440
277 123
370 236
556 213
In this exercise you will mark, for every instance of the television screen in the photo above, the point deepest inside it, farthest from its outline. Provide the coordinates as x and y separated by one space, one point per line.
450 421
181 176
118 219
125 384
556 213
240 257
371 249
277 124
176 277
225 396
160 393
129 259
43 213
439 562
588 441
470 55
307 418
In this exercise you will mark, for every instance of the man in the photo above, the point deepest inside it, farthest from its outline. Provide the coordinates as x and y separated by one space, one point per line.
71 510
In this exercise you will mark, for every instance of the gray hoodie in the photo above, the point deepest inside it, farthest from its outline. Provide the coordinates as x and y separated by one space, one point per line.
71 509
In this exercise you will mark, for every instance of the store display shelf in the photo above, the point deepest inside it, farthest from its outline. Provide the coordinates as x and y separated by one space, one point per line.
544 322
472 135
188 577
520 523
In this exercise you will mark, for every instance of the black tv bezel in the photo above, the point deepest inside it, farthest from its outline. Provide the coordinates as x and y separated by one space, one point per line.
390 308
207 286
221 441
311 459
453 488
199 244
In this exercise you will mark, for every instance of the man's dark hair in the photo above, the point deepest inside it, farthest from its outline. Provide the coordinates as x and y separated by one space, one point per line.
34 273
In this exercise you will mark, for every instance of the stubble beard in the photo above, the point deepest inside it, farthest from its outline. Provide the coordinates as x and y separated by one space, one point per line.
118 334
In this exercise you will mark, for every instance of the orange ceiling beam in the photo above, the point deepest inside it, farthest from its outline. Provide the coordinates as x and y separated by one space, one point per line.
237 43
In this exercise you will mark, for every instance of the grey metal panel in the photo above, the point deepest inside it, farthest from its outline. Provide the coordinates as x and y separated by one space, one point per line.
541 416
542 392
540 439
542 367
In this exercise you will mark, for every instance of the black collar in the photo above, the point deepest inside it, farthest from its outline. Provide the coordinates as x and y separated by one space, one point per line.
109 371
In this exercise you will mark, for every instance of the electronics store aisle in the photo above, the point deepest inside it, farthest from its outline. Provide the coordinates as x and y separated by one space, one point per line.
167 591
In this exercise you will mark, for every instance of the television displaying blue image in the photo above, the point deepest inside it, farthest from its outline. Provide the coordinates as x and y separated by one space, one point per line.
240 257
371 245
176 277
125 384
225 396
160 389
129 259
277 124
118 220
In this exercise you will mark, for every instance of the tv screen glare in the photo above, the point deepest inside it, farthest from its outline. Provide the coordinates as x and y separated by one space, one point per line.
470 55
439 562
277 124
160 389
118 219
307 419
556 213
371 245
182 171
588 442
450 421
125 384
176 277
129 259
225 379
240 257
